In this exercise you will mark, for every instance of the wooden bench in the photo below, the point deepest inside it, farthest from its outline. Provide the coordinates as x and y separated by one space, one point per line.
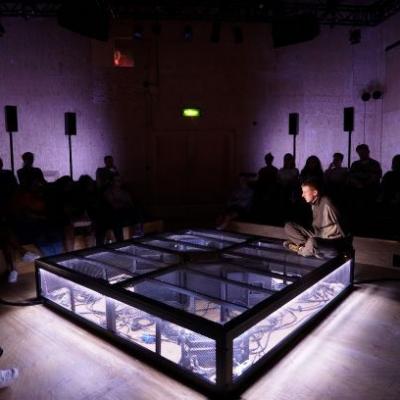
368 251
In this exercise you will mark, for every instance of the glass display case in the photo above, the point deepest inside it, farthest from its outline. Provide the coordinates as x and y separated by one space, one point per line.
211 322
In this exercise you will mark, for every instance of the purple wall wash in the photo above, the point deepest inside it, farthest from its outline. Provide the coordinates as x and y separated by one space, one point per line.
245 91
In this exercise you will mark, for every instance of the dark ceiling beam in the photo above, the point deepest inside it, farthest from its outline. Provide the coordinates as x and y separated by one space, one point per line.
328 12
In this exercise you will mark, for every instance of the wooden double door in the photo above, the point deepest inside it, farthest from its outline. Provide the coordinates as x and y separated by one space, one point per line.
192 168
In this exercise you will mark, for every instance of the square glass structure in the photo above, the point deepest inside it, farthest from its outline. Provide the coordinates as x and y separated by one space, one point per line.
212 321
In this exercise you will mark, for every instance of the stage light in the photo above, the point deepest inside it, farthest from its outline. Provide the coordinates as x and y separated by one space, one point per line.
191 112
376 94
138 32
365 96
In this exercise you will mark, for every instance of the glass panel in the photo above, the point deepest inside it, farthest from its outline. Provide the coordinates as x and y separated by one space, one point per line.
241 275
189 349
199 241
179 247
279 253
210 298
149 254
76 298
219 235
135 265
257 341
289 272
98 270
135 325
186 348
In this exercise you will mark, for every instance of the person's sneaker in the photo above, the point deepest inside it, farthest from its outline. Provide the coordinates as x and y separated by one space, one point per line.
291 246
319 255
13 276
30 256
8 376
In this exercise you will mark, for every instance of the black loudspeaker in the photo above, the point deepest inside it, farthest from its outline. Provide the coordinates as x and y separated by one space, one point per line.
348 119
70 123
293 123
294 29
11 118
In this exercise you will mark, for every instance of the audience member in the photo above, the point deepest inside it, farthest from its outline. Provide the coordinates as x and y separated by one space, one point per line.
7 376
105 175
267 176
312 170
120 211
288 180
364 185
8 186
266 190
29 175
240 202
365 173
391 183
336 179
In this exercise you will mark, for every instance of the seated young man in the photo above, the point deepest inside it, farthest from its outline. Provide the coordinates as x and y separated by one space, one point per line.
326 232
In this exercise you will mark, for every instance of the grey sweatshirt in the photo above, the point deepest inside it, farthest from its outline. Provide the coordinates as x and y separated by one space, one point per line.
326 219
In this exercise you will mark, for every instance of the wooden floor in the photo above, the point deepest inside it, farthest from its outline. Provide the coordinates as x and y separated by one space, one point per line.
353 354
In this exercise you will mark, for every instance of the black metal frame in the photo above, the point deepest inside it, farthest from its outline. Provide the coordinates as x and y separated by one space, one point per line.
222 334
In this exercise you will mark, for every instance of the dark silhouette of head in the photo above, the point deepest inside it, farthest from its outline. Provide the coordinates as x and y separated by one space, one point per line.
288 161
313 163
269 158
338 159
396 163
28 158
363 151
109 162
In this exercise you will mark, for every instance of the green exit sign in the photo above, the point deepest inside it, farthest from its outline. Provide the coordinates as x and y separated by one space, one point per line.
191 112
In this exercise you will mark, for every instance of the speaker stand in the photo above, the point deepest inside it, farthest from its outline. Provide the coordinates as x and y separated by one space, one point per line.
70 157
294 147
12 152
349 150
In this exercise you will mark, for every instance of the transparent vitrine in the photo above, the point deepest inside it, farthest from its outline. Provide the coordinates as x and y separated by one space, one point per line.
213 322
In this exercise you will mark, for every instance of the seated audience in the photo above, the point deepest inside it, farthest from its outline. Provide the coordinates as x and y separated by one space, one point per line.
288 180
105 175
336 179
29 175
240 202
312 170
391 183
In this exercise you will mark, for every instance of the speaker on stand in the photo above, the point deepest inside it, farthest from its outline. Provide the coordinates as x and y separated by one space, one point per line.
70 130
11 120
294 129
348 126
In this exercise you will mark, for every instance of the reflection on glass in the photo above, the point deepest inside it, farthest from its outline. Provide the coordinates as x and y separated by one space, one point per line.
257 341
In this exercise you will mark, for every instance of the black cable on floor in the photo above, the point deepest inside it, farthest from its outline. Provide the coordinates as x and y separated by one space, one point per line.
23 303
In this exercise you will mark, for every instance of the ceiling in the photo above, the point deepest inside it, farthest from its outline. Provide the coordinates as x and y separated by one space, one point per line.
329 12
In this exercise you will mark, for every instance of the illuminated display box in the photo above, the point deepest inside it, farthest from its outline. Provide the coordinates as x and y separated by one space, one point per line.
211 322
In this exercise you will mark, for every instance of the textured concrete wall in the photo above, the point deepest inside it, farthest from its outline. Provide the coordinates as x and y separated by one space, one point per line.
244 89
